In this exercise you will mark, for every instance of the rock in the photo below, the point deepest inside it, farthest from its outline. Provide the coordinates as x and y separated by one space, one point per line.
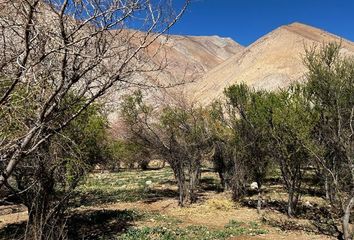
308 204
254 186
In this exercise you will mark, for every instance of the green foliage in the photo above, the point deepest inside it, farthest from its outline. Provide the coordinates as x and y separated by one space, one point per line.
133 109
17 113
187 125
62 161
88 132
330 89
176 133
251 116
271 128
126 152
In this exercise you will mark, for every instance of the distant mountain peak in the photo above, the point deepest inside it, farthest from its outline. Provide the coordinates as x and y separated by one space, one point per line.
298 24
274 61
310 32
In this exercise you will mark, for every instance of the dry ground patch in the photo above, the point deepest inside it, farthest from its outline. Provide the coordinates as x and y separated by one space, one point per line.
123 206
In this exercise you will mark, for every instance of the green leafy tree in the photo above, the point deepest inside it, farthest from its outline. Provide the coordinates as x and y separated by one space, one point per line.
271 128
223 141
251 114
331 91
127 153
291 127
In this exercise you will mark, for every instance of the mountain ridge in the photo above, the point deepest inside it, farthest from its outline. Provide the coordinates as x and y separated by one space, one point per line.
271 62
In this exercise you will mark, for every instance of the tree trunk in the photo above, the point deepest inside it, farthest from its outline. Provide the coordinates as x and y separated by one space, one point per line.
193 180
45 211
259 201
222 181
259 193
163 163
182 187
348 235
144 164
45 219
183 193
199 175
290 203
42 224
326 187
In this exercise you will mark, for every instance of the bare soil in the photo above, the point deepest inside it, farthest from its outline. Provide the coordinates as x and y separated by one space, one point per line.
214 210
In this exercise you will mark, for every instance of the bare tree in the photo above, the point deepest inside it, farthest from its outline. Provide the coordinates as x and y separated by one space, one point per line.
59 56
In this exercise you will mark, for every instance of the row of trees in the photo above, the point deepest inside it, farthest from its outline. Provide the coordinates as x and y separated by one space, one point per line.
305 130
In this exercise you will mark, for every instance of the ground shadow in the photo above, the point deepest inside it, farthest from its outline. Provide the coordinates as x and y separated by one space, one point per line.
97 196
100 224
320 217
210 184
155 195
88 225
169 182
13 231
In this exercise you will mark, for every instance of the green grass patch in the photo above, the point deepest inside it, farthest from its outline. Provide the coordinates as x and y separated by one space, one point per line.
127 186
233 228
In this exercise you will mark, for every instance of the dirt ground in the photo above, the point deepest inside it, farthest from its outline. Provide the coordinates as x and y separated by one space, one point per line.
206 215
214 210
201 214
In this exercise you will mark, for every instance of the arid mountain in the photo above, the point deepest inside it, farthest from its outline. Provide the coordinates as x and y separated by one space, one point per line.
193 55
274 61
182 59
177 59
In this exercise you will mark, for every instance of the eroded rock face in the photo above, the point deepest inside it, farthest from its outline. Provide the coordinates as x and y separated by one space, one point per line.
272 62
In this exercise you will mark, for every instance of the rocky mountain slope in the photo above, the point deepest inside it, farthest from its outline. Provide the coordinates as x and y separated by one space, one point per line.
182 59
186 56
274 61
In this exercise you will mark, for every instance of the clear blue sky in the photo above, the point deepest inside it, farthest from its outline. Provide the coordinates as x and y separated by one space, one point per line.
247 20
